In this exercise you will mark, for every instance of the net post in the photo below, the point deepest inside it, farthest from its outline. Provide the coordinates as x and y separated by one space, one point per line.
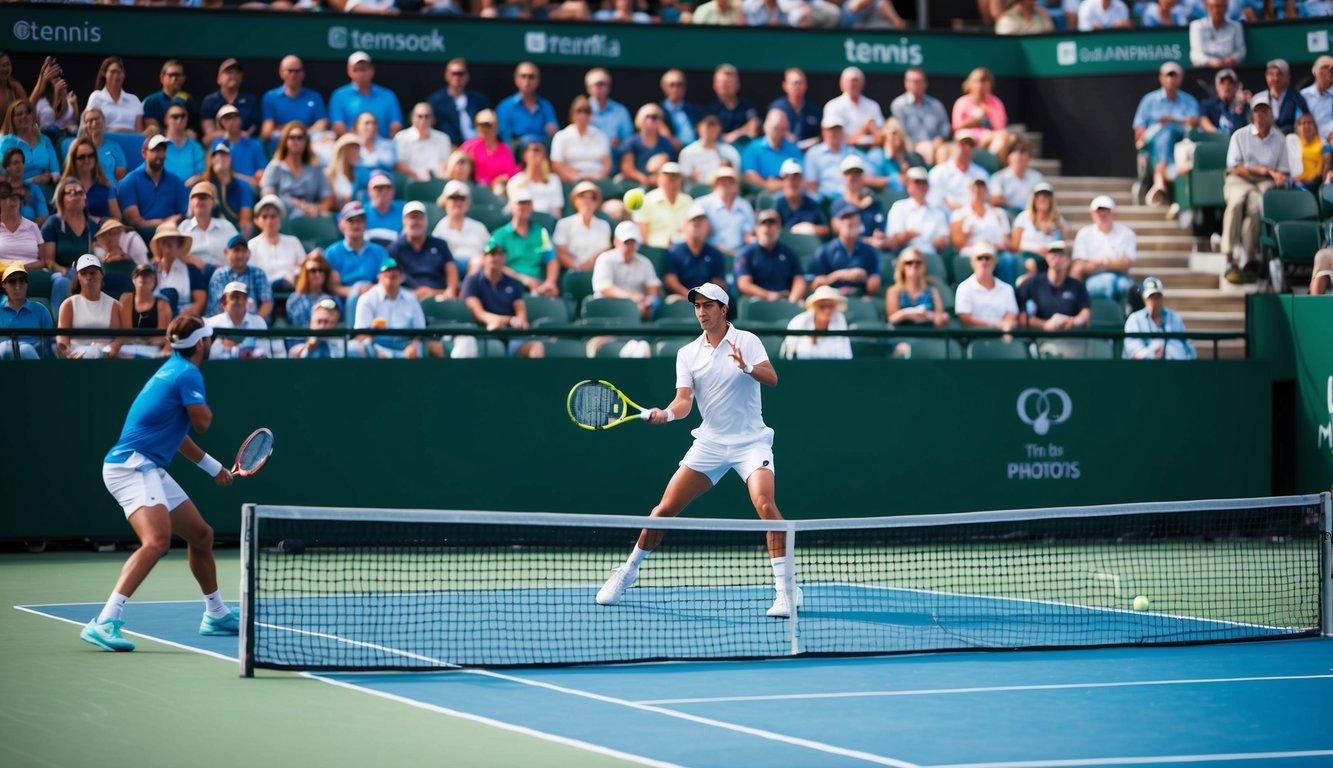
1326 564
791 586
249 552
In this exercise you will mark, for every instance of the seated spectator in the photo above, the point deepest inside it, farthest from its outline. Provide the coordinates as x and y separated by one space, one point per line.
236 198
20 238
1256 162
142 308
185 156
951 182
1285 101
238 270
1053 300
360 95
1321 281
429 271
766 269
110 156
526 116
739 119
1156 318
580 238
387 305
315 282
1319 96
664 209
913 299
229 95
823 161
422 150
384 214
87 307
983 301
467 237
234 312
118 242
1104 252
623 11
693 262
719 12
580 150
354 258
824 311
764 156
377 153
847 262
1103 14
645 152
529 253
796 210
608 115
492 159
1024 17
873 218
1011 186
681 115
456 105
730 216
1307 155
34 201
347 176
1227 111
700 159
914 221
1036 227
803 117
294 176
278 255
156 104
292 102
980 222
1216 42
209 235
123 110
169 248
548 194
41 162
17 312
324 316
923 117
496 301
892 159
1165 13
859 115
150 195
247 154
624 273
81 165
67 235
980 111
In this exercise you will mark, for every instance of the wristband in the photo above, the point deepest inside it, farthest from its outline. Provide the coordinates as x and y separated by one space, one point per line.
748 369
670 416
209 465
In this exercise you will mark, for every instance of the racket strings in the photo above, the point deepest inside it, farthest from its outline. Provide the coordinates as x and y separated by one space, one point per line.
255 450
596 405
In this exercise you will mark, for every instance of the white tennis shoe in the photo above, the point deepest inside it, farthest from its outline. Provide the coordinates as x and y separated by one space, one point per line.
781 608
622 578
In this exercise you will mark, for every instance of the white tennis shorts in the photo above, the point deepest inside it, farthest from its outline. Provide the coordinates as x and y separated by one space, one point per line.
714 460
139 483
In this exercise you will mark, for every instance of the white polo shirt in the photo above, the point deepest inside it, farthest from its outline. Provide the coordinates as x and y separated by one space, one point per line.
728 399
990 306
1092 243
583 241
636 275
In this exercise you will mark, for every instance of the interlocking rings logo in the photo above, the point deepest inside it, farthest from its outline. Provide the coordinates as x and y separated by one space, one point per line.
338 38
23 30
1042 409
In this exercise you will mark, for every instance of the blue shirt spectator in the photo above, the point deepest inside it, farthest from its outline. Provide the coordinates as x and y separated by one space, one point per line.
29 315
38 159
823 166
1169 104
641 153
734 117
803 121
422 267
682 118
356 266
387 224
772 270
306 107
519 124
185 160
247 155
34 203
110 156
834 255
693 269
1040 299
496 298
154 200
348 102
245 103
761 157
254 278
613 119
456 105
808 212
731 224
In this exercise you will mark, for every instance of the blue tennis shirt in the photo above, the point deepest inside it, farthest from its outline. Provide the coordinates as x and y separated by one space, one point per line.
157 421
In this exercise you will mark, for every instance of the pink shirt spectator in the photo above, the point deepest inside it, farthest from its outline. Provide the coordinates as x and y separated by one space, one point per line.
996 117
490 164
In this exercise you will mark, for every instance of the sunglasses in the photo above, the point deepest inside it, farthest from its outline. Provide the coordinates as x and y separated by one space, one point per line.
316 271
984 258
19 280
913 263
583 111
85 156
74 191
297 137
173 74
675 84
457 73
527 76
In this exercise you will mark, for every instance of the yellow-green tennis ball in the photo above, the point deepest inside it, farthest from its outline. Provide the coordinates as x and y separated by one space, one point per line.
1142 603
634 199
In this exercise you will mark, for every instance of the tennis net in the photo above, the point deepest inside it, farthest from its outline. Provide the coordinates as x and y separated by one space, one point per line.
365 589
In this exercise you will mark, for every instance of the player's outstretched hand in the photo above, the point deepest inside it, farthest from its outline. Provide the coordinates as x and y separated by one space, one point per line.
735 355
223 478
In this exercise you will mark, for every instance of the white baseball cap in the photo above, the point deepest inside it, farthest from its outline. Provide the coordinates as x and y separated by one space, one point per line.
456 188
696 211
710 291
789 167
628 230
416 206
672 168
157 141
852 162
357 57
236 286
521 195
1102 201
85 261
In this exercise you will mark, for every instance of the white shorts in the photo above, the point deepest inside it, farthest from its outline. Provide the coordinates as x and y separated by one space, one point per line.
139 483
714 460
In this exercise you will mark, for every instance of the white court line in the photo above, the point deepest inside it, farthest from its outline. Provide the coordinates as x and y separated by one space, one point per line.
153 638
992 689
1173 759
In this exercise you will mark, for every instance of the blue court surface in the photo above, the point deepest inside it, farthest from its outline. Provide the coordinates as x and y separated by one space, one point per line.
1252 704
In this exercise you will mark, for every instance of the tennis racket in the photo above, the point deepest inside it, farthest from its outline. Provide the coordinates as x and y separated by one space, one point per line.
599 405
254 453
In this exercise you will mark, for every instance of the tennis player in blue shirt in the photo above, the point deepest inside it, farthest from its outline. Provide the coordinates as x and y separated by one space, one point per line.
135 473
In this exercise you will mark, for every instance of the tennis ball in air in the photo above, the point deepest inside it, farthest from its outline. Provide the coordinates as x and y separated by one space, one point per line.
634 199
1142 603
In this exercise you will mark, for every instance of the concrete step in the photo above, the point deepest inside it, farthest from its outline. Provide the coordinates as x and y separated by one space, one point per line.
1156 260
1212 263
1175 278
1209 320
1142 227
1206 300
1176 242
1049 167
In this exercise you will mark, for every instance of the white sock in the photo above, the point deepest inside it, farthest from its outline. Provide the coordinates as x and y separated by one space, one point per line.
637 557
780 572
114 608
214 606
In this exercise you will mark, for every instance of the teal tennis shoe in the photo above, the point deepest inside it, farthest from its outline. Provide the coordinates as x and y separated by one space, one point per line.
106 635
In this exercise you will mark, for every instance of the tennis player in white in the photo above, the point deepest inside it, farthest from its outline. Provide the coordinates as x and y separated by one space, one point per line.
723 368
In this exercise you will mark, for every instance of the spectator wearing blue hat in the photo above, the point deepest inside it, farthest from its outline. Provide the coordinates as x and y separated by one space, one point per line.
238 270
361 95
847 263
387 305
354 258
1156 318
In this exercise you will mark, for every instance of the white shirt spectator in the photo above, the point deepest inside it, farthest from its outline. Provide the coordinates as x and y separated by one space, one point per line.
1092 243
582 153
987 306
247 347
1247 148
906 215
1321 106
1012 188
209 244
279 262
1092 15
547 196
992 226
120 115
697 162
1033 238
401 312
636 276
1208 43
583 242
47 116
424 156
823 348
464 243
853 115
730 225
951 187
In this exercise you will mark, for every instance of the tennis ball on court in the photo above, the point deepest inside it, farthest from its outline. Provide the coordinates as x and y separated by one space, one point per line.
634 199
1142 603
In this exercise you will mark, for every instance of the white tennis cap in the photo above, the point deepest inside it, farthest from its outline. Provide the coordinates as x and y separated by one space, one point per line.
236 286
710 291
85 261
790 166
628 230
415 206
1102 201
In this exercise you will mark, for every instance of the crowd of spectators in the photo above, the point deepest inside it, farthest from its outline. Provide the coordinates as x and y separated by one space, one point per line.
1030 17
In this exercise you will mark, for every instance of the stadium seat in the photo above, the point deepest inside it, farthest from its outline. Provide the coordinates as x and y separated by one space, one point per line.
986 159
613 347
576 284
491 216
1297 242
861 312
752 310
483 196
869 349
451 311
658 256
677 310
547 309
1284 205
624 311
997 349
132 145
565 348
888 197
1205 180
39 285
313 232
669 347
946 296
425 191
1075 349
934 349
804 246
962 269
1107 313
543 220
